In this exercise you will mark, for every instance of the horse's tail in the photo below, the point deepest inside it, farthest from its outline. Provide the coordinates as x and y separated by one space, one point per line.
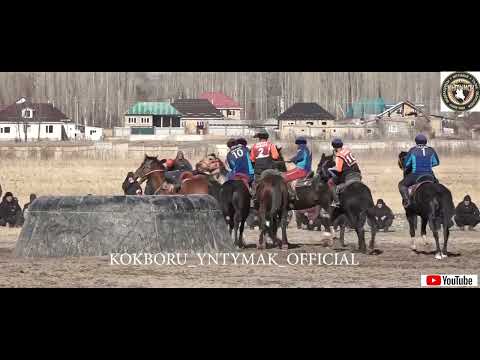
446 205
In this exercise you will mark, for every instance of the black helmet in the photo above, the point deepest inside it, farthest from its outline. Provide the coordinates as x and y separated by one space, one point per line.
337 143
300 140
242 141
262 134
421 139
231 142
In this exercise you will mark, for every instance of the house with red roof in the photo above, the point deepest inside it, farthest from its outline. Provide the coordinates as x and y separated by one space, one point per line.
229 108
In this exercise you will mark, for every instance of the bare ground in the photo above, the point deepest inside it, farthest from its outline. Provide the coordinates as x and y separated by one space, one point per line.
396 266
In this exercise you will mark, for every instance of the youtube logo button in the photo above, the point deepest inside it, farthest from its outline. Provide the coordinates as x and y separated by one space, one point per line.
453 280
433 280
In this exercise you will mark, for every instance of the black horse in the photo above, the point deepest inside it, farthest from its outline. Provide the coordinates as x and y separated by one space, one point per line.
434 204
234 200
356 206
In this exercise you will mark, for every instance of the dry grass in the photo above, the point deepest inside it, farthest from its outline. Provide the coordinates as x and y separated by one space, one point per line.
81 177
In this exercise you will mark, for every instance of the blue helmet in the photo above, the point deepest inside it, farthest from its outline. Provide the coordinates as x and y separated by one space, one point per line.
337 143
421 139
300 140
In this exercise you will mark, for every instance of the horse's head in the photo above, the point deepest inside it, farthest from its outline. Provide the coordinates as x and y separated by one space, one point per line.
325 163
149 165
401 159
280 163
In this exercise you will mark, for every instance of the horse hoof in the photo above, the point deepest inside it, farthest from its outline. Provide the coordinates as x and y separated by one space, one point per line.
413 247
285 247
444 256
438 256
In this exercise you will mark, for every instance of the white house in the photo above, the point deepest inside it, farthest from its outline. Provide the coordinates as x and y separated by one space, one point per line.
27 121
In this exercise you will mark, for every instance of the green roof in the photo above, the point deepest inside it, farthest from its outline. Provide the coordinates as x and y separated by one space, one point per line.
152 108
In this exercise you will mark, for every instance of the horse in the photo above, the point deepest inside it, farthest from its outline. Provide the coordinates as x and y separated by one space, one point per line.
234 200
154 170
356 206
314 193
272 196
434 204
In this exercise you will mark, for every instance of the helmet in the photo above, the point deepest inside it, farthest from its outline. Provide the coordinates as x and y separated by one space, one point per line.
242 141
337 143
262 134
169 164
300 140
231 142
421 139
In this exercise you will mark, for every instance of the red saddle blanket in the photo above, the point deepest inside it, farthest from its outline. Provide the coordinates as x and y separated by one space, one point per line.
243 178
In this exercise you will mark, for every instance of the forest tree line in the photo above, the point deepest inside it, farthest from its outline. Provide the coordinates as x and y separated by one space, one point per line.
102 98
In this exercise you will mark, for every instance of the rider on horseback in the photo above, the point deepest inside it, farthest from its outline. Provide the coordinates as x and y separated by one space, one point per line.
303 162
263 153
239 163
346 170
420 159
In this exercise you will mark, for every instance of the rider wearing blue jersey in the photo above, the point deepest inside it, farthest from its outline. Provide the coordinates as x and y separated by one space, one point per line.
421 159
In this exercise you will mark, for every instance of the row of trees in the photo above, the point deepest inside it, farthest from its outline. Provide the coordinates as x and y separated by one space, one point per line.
101 98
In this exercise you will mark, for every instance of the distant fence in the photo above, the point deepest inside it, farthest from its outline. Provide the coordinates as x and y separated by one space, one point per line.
194 150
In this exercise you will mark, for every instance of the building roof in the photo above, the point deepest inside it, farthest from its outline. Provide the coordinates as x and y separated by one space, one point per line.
197 108
152 108
43 112
399 105
306 111
220 100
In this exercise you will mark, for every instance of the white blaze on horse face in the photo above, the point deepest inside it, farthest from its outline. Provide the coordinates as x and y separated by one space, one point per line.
267 223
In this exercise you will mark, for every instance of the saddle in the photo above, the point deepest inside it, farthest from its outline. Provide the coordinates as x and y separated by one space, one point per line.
243 179
413 189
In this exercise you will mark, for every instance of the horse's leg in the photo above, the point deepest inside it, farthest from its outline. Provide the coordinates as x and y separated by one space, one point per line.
446 234
284 224
373 229
242 226
423 231
361 238
236 223
263 230
412 226
434 228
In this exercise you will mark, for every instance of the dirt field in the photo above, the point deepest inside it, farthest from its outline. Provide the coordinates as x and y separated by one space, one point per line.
396 266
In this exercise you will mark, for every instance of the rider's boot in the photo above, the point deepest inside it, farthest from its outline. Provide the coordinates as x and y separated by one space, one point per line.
336 200
405 197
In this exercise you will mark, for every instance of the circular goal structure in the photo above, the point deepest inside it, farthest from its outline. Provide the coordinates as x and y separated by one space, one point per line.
102 225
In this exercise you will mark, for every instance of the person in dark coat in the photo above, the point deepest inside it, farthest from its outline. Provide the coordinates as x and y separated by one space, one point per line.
383 216
26 206
467 214
131 186
181 164
10 212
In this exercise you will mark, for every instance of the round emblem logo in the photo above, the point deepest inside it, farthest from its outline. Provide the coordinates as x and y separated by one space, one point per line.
460 91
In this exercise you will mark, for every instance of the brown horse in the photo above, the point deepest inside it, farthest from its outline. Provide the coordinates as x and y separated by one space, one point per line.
154 170
272 195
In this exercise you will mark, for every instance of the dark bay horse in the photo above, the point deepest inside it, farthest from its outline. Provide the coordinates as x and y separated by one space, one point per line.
434 204
272 196
234 199
153 170
356 206
309 196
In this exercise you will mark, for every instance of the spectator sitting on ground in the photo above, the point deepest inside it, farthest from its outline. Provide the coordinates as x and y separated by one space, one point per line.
383 216
10 211
467 214
32 199
131 186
